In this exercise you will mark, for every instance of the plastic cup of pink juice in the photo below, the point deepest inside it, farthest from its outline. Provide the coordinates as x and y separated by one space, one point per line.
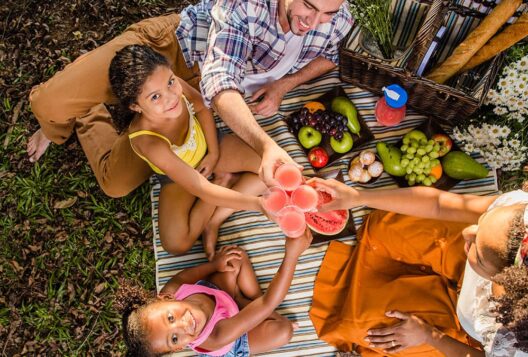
292 222
275 199
288 176
305 197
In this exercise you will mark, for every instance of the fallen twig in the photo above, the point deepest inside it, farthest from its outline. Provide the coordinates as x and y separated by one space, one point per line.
16 114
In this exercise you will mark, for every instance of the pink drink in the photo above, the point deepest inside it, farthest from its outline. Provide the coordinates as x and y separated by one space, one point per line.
291 221
275 199
387 116
288 176
305 197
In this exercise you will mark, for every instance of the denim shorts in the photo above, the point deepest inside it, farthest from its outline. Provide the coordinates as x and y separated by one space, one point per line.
241 346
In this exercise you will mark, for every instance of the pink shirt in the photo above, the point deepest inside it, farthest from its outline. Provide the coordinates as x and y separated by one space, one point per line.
225 308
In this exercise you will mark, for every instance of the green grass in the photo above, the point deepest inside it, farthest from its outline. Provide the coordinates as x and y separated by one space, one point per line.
62 253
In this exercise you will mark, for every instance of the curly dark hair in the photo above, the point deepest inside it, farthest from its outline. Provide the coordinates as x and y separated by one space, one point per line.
130 301
129 70
512 306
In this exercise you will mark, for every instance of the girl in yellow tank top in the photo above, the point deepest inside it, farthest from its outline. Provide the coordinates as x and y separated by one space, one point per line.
171 129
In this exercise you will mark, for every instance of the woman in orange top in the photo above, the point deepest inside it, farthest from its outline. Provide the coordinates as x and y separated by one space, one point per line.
426 275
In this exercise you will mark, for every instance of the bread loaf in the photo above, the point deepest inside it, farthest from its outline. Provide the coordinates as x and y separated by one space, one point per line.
475 40
507 38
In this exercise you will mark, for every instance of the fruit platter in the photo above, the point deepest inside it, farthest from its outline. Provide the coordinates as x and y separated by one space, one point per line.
427 156
328 128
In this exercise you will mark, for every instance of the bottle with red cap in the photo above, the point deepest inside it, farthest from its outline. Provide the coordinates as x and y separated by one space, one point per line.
390 109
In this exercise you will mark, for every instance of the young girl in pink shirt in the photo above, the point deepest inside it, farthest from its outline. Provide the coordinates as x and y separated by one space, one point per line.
216 308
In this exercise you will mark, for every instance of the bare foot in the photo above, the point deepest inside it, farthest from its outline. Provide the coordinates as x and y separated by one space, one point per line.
37 145
210 233
295 326
209 239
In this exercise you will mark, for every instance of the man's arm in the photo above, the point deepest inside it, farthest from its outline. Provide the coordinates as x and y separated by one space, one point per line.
272 93
231 107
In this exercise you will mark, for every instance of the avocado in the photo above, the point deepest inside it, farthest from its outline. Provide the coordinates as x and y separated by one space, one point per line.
344 106
460 166
391 156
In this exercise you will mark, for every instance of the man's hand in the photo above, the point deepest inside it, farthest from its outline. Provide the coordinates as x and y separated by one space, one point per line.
343 196
411 331
272 157
227 258
271 95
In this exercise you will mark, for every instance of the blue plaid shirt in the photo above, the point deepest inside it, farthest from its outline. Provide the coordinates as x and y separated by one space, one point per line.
230 38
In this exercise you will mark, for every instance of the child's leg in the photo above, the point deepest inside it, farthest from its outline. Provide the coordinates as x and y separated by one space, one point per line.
235 156
182 217
242 284
249 184
270 334
240 281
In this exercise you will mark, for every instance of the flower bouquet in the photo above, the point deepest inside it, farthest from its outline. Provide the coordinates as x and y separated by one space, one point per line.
500 131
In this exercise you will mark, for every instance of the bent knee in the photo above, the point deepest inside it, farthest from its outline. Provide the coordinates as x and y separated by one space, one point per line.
47 106
177 243
114 190
284 332
175 248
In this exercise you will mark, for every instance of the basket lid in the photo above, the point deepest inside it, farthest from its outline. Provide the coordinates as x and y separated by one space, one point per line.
395 96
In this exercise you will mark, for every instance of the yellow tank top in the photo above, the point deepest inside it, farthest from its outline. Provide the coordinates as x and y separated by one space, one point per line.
191 151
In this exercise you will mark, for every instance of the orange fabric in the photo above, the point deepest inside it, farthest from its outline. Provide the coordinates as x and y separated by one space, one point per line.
401 263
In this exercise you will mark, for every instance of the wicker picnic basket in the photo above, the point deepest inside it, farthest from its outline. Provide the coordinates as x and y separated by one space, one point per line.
415 24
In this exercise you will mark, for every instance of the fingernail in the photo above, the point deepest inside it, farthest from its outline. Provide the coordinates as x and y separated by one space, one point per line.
367 339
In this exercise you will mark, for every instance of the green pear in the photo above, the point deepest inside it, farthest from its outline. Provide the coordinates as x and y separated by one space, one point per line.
391 158
461 166
344 106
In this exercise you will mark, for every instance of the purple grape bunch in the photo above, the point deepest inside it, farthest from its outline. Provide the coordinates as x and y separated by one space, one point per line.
325 121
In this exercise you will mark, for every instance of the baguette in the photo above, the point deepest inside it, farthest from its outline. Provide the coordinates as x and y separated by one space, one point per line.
475 40
507 38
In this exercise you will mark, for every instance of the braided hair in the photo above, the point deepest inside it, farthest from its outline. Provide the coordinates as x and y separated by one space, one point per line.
129 70
130 301
512 306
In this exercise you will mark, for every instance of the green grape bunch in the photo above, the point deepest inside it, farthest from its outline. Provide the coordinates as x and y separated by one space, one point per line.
419 157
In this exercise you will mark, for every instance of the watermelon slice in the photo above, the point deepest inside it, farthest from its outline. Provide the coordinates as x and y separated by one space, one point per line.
327 223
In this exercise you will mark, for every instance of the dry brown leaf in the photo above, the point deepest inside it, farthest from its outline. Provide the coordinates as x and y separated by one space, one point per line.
34 248
61 236
17 266
108 237
65 203
100 287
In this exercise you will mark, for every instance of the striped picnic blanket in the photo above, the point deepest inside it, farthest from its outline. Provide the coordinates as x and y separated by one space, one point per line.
263 240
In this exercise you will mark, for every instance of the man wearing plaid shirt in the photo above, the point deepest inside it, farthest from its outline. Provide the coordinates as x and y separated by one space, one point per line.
230 48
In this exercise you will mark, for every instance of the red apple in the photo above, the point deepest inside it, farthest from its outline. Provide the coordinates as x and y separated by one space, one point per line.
318 157
445 143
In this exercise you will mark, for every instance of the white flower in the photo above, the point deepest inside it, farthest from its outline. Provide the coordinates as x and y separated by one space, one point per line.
469 148
504 131
500 110
522 64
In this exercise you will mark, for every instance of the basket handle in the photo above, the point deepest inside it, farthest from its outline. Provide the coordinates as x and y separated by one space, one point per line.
426 33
